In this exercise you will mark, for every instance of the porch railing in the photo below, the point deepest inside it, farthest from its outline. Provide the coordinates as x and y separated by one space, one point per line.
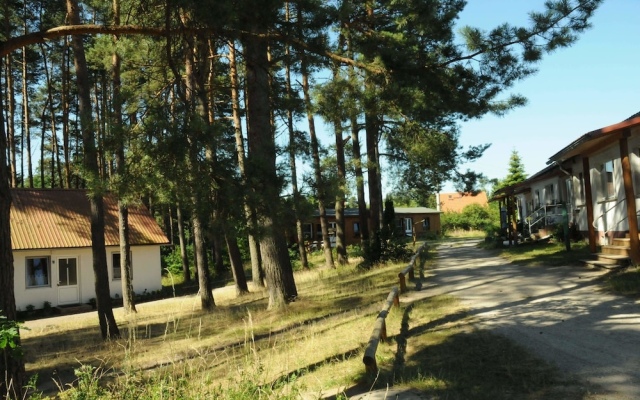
601 216
544 215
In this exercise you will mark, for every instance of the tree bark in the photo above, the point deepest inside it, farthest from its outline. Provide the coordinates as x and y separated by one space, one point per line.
375 206
257 272
64 100
184 256
204 284
297 198
341 240
197 220
12 368
315 154
235 258
128 299
108 327
264 178
11 129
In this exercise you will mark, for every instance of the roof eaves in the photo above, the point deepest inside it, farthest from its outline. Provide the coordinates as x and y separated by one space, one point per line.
634 120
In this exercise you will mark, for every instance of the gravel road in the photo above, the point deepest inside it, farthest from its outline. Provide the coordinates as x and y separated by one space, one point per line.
558 313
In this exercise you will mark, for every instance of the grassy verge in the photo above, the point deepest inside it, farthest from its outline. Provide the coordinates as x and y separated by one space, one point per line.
625 282
172 350
546 253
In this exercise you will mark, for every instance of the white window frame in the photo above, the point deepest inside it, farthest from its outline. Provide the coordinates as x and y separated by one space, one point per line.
607 180
116 266
31 279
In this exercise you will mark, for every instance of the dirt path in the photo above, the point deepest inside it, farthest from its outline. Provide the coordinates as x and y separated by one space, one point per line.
559 313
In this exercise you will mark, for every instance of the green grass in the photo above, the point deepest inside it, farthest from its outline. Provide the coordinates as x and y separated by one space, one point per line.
172 350
626 282
546 253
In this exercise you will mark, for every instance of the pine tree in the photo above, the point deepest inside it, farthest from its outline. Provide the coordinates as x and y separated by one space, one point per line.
516 172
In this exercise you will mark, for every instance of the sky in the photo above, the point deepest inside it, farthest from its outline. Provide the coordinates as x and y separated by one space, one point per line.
590 85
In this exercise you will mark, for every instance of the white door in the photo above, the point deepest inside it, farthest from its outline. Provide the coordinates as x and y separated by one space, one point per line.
68 291
408 227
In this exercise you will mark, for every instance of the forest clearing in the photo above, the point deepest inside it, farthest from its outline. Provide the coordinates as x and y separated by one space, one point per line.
207 114
171 349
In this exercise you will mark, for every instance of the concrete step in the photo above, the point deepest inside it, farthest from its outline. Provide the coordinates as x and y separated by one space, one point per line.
608 261
626 242
615 250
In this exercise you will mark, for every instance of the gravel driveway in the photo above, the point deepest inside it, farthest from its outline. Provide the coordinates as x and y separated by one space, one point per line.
559 313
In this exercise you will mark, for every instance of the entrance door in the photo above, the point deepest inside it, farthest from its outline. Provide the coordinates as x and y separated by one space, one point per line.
408 227
68 292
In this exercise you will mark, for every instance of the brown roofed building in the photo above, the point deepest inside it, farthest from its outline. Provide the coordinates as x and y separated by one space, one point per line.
51 241
456 201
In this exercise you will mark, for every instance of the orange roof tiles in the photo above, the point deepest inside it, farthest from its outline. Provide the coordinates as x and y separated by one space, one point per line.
456 201
60 218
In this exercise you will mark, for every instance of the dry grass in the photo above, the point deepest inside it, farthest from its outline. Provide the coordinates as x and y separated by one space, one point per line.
171 349
329 321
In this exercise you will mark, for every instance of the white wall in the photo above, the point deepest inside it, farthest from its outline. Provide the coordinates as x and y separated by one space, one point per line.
609 214
146 274
145 262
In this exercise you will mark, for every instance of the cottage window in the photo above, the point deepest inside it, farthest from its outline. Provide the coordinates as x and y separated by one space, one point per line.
356 229
569 188
549 194
332 228
307 231
581 188
426 224
606 180
38 270
115 265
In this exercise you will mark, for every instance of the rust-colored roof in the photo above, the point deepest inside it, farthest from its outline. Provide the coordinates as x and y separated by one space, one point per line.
60 218
457 201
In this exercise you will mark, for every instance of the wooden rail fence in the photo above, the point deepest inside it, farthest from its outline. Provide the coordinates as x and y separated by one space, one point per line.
380 327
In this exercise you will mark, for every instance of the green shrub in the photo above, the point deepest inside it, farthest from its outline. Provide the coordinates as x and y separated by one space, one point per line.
172 259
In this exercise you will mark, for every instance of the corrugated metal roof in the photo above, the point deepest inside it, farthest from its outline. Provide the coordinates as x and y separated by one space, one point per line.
60 218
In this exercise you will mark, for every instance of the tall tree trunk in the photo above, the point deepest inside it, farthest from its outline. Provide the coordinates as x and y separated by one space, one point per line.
26 123
315 154
357 164
372 127
65 114
375 206
302 248
12 367
108 327
43 137
257 272
317 169
202 265
55 155
197 220
184 256
11 110
262 174
128 300
341 248
235 258
217 254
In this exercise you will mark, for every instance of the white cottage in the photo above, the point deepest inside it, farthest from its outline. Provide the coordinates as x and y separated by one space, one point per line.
51 241
597 176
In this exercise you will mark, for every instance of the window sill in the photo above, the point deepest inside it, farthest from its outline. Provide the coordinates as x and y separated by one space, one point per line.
38 287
